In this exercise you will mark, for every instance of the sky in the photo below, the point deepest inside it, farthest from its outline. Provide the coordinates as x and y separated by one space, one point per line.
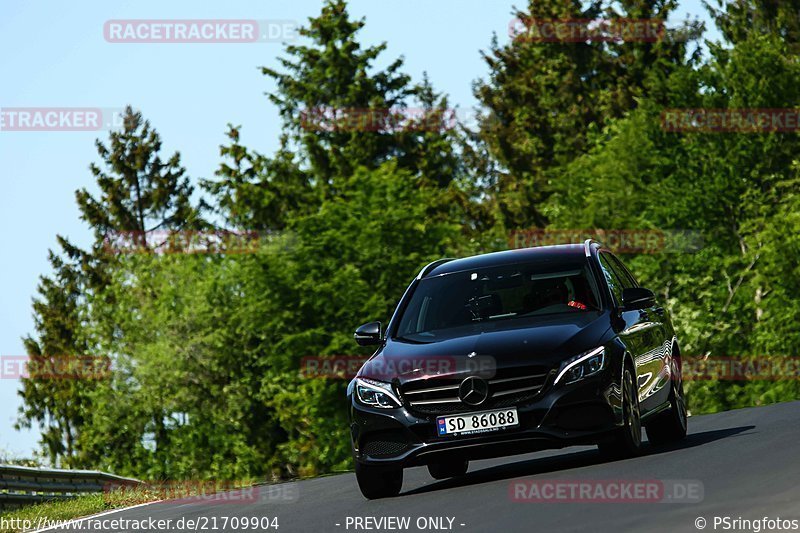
55 54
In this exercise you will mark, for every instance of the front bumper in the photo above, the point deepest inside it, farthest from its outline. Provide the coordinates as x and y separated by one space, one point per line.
580 413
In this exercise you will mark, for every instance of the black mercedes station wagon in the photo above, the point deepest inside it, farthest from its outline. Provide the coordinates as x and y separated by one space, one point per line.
512 352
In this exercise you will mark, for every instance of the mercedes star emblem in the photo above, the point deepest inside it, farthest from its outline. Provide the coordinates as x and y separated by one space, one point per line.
473 391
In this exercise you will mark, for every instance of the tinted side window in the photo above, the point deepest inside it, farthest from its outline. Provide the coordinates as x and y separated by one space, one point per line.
612 278
625 275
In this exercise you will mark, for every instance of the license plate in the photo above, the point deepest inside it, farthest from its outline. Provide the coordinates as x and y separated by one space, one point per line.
483 422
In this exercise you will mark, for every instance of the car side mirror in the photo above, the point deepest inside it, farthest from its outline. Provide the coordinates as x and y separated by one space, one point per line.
634 298
368 334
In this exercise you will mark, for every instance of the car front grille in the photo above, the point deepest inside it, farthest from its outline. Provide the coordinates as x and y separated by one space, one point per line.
440 396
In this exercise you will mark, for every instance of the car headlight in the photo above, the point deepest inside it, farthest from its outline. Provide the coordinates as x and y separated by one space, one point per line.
582 366
376 393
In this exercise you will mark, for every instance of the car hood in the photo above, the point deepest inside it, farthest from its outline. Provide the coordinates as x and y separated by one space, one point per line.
545 342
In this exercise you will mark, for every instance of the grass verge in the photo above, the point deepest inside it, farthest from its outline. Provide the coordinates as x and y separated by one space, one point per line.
43 514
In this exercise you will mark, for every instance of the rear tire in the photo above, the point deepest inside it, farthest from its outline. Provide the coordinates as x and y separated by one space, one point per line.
670 426
627 440
448 469
378 481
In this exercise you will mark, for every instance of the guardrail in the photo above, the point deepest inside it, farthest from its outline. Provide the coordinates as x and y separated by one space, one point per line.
22 485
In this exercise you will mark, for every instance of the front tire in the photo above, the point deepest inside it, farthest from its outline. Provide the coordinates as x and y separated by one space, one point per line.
378 481
672 425
627 440
448 469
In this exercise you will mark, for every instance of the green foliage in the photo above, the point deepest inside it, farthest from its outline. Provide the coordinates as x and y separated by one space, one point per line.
139 193
58 406
544 99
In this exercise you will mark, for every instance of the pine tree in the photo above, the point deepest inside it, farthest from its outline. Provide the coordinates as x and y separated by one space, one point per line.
737 19
58 401
339 113
544 99
139 192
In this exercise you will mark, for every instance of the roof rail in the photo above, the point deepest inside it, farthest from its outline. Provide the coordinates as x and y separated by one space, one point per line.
587 246
430 266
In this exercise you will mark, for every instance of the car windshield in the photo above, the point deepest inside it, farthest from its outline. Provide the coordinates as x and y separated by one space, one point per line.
477 299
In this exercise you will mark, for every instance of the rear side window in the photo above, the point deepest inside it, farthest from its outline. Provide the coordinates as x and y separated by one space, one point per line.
622 271
615 282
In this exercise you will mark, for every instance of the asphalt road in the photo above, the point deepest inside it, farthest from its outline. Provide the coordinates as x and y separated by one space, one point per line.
737 464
